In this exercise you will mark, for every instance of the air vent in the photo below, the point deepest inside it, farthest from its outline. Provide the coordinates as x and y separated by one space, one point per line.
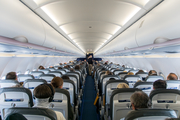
9 51
171 52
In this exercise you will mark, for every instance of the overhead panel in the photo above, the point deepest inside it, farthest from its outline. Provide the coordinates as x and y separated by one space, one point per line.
89 23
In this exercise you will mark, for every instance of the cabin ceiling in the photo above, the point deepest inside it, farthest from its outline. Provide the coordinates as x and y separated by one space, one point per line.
90 24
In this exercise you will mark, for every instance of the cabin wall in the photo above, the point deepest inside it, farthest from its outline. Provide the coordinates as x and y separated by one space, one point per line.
22 64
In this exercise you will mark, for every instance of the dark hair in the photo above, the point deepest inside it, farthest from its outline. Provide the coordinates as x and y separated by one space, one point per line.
139 99
65 77
11 75
160 84
77 67
59 67
72 70
56 82
152 72
172 76
44 91
112 79
41 67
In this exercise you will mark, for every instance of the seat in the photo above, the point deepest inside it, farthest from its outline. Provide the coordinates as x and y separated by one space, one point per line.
120 100
143 75
110 86
44 70
146 87
105 79
47 77
116 72
173 84
122 74
132 79
151 114
15 97
69 85
37 74
32 83
166 99
153 78
8 83
61 102
31 113
23 77
62 71
56 73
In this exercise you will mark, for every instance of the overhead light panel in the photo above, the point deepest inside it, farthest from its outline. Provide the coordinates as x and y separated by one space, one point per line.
117 29
63 29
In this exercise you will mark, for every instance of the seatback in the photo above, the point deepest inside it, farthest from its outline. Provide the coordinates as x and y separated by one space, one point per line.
44 70
51 69
56 73
23 77
76 82
31 84
127 69
146 87
153 78
132 79
110 86
47 77
106 78
165 98
116 72
122 74
61 102
173 84
143 75
120 99
15 97
8 83
62 71
31 113
37 74
69 85
151 114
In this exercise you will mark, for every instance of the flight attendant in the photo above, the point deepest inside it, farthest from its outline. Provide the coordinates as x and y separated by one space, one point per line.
90 64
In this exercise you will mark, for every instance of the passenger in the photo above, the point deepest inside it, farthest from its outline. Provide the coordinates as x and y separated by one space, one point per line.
65 77
172 76
60 68
108 73
51 67
72 70
11 76
41 67
152 72
139 81
60 63
77 67
159 84
57 82
112 79
140 71
90 64
130 73
122 85
44 94
139 100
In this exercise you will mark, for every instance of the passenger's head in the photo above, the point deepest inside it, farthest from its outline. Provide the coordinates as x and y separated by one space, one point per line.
57 82
65 77
41 67
11 76
60 63
15 116
159 84
140 71
44 91
172 76
108 73
51 67
130 73
122 85
72 70
112 79
152 72
59 67
139 99
77 67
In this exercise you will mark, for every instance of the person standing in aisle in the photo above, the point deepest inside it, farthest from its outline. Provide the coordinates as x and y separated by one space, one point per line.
90 64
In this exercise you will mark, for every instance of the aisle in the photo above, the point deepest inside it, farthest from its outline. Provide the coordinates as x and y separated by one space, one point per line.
88 109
